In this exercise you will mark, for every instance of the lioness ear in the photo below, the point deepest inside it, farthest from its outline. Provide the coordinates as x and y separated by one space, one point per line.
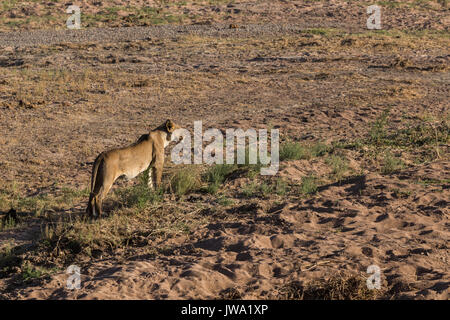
169 125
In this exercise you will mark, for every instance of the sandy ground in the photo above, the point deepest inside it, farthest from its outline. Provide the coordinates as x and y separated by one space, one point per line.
266 247
66 99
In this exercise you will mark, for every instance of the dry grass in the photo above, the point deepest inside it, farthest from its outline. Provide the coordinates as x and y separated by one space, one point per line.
339 287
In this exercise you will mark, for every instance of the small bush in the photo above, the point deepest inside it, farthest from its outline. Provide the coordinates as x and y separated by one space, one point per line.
392 164
252 169
224 201
292 151
184 181
139 196
308 185
9 261
250 190
297 151
319 149
281 187
338 165
7 223
30 272
378 130
216 175
265 189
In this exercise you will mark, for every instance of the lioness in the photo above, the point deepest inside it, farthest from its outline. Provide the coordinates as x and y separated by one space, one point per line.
129 161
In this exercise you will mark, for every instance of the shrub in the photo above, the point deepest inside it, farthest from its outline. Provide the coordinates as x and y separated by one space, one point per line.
140 195
338 165
184 181
292 151
391 164
216 175
308 185
297 151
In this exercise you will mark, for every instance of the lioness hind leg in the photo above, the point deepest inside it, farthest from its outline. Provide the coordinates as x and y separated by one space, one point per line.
100 195
98 207
107 184
94 208
90 207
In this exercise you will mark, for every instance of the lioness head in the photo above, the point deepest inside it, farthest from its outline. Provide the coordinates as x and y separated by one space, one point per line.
170 127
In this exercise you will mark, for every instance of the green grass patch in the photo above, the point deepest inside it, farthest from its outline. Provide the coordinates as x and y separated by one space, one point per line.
298 151
225 201
7 223
427 182
139 16
378 130
216 175
281 187
308 185
266 188
30 272
339 166
250 190
36 205
414 135
9 261
391 164
140 195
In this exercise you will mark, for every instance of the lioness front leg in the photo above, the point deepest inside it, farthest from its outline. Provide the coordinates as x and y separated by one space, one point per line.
158 169
150 181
